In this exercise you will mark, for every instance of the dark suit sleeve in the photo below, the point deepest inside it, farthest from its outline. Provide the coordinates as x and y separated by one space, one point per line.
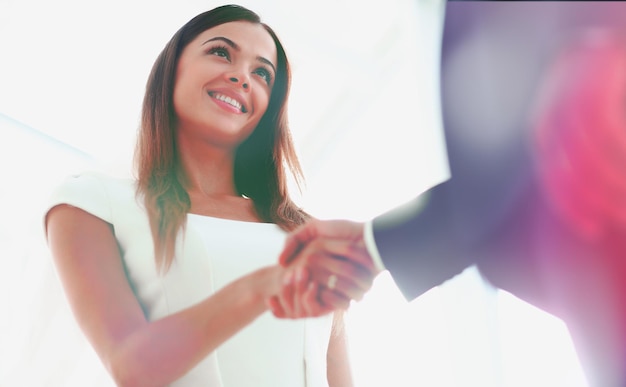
416 247
454 225
483 101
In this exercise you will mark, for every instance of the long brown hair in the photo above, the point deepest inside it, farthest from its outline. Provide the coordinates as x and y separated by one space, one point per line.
260 161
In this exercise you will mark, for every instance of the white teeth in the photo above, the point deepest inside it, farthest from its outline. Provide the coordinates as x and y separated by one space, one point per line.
228 100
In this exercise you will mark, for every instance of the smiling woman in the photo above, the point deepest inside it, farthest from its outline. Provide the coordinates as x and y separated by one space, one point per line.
168 275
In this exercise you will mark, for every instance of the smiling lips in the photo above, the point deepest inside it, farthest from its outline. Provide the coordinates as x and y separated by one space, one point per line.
231 101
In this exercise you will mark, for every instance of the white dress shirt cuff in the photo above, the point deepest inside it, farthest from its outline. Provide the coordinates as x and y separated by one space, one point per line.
370 244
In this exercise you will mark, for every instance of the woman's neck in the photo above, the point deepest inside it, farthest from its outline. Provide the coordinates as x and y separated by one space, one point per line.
206 170
207 173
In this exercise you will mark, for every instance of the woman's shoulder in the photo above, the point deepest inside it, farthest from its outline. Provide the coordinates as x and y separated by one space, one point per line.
94 191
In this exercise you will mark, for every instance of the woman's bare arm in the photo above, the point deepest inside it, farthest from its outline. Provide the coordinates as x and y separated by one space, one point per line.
135 351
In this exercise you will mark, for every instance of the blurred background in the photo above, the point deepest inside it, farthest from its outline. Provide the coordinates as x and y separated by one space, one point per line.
365 116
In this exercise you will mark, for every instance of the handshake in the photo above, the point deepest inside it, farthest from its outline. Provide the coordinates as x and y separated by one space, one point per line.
327 265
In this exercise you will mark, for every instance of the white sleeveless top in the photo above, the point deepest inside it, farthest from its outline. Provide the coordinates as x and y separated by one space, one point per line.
212 252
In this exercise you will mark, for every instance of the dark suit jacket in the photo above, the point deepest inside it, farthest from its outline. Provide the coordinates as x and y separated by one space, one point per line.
490 213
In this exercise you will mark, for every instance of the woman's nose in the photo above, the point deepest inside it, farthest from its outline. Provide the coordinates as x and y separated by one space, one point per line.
239 80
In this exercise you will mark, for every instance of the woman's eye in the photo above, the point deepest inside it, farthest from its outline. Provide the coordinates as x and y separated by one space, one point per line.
264 74
220 51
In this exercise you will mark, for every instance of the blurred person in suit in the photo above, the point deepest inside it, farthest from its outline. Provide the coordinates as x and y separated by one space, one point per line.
535 130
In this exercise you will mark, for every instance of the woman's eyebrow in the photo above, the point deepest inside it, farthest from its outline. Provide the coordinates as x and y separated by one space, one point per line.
236 47
267 62
225 40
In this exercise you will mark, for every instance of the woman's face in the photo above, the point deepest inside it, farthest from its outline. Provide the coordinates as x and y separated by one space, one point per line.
223 83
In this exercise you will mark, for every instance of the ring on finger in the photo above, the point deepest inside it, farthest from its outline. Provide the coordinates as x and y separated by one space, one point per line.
332 282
